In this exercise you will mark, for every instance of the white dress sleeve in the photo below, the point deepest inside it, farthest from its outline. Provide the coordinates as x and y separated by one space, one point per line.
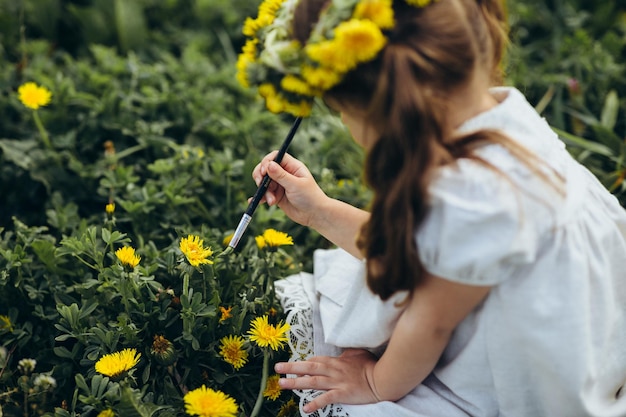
478 229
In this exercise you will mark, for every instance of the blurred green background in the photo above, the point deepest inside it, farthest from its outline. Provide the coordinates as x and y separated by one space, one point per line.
152 75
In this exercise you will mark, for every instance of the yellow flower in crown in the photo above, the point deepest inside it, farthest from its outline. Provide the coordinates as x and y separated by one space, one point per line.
195 252
106 413
266 16
247 57
233 352
127 256
361 40
265 334
378 11
33 96
320 77
205 402
116 364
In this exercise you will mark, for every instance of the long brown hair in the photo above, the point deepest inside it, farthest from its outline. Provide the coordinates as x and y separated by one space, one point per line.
431 53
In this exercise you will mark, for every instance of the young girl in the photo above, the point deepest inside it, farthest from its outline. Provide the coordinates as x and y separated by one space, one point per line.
499 261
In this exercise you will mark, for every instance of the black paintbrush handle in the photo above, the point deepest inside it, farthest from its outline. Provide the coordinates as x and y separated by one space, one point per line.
260 191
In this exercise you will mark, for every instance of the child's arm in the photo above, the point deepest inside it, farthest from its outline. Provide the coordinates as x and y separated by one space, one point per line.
418 340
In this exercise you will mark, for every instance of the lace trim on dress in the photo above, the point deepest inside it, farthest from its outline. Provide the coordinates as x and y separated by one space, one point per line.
299 311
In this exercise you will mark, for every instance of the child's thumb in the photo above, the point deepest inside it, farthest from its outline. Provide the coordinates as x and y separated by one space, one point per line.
279 175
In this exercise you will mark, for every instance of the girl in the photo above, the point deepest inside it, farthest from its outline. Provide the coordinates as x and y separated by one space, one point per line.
509 257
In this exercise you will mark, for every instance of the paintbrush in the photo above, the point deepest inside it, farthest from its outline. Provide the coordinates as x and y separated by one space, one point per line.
260 191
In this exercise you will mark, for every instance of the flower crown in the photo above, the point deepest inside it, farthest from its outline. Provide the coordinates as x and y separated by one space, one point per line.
290 75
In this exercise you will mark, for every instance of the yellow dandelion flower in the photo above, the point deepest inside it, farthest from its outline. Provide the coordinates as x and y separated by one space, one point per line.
127 256
227 239
359 40
260 242
232 351
195 252
115 364
289 409
295 84
226 313
106 413
205 402
273 238
378 11
110 208
265 334
322 78
33 96
272 389
5 323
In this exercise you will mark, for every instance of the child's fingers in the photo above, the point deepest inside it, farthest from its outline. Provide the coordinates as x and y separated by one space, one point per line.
313 366
320 401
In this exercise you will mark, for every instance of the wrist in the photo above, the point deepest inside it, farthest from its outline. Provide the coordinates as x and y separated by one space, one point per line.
371 381
319 219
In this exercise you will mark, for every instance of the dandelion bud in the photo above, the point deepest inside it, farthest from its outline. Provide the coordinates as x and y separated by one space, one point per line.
163 350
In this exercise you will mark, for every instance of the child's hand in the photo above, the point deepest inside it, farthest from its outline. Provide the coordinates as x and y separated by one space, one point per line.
293 188
346 379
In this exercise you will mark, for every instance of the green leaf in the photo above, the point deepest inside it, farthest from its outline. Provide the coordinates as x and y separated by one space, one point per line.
610 110
131 405
574 140
18 151
130 23
106 235
607 137
46 252
99 385
63 352
81 383
88 308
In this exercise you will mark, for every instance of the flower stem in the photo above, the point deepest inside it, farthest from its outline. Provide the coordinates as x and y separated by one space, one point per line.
186 285
42 130
259 398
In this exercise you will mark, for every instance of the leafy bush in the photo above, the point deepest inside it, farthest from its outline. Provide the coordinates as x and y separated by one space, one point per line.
569 57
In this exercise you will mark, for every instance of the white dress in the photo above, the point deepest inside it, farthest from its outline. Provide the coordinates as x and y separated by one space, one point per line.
550 338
